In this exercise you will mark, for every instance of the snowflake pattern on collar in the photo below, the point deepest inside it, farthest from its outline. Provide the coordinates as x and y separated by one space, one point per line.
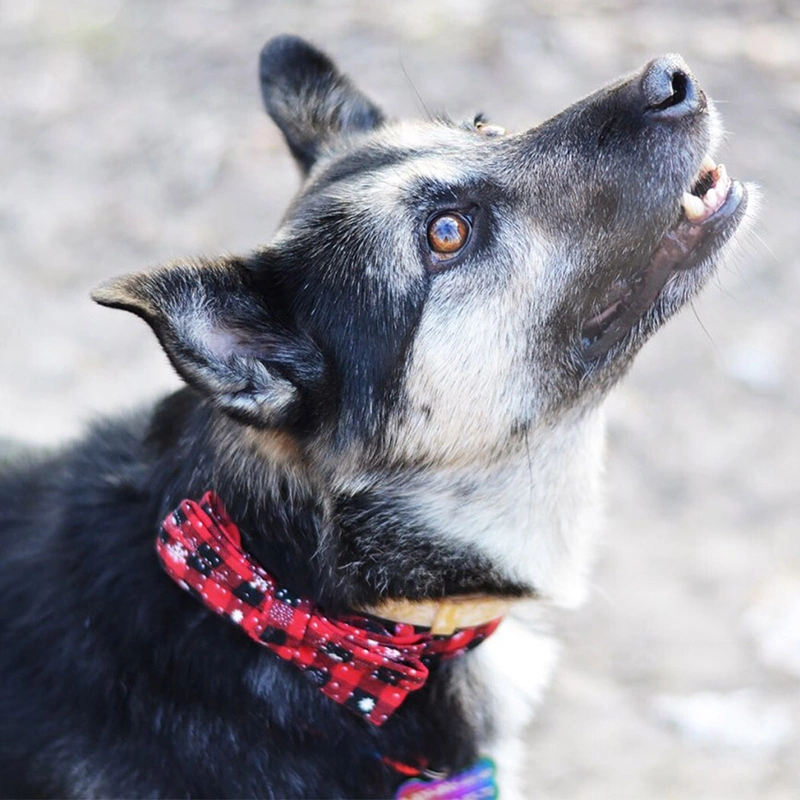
366 664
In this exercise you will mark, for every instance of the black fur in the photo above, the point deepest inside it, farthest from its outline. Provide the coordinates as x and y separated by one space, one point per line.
289 68
116 683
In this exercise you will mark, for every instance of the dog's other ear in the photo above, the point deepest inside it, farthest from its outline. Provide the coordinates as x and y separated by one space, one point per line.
224 338
309 99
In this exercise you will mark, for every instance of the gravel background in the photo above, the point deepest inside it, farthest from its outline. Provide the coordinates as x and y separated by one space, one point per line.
132 132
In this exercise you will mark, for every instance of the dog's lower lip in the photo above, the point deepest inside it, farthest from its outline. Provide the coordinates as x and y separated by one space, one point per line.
684 246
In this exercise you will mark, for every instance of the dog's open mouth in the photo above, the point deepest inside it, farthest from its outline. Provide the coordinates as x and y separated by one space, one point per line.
709 214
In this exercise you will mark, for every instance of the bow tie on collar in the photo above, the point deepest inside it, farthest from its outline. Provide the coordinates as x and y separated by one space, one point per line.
368 665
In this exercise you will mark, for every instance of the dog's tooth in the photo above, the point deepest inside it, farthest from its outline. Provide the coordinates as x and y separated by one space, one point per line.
710 198
708 165
693 207
723 181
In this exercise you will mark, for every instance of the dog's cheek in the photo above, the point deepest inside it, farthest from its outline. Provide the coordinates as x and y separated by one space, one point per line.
466 385
477 378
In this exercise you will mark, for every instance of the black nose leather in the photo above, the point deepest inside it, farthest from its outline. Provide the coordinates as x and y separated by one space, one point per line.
670 89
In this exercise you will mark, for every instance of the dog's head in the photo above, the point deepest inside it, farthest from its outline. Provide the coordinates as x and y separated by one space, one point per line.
451 298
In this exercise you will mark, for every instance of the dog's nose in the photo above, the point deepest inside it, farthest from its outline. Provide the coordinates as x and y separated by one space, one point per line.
670 90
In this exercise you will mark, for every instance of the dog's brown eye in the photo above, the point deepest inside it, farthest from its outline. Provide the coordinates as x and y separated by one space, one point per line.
447 234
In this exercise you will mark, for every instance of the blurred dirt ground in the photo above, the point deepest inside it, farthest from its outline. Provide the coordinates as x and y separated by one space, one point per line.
132 132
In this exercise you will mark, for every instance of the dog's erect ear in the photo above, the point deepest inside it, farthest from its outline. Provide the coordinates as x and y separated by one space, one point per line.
223 338
309 99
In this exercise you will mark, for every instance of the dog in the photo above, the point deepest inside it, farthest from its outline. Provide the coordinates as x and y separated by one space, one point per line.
318 569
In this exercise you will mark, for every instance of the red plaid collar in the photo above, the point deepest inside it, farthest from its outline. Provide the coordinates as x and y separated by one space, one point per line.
368 665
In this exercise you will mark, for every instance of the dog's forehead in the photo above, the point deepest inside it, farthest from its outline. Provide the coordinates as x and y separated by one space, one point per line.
398 161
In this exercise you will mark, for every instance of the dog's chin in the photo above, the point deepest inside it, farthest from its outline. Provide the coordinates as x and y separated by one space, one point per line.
679 266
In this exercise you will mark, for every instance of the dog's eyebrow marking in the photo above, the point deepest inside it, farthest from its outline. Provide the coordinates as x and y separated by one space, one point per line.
361 161
468 191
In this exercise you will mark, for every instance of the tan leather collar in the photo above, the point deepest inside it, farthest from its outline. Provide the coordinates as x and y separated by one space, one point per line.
446 615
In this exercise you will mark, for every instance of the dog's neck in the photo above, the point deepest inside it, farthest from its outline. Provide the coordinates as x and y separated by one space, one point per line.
518 527
534 514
